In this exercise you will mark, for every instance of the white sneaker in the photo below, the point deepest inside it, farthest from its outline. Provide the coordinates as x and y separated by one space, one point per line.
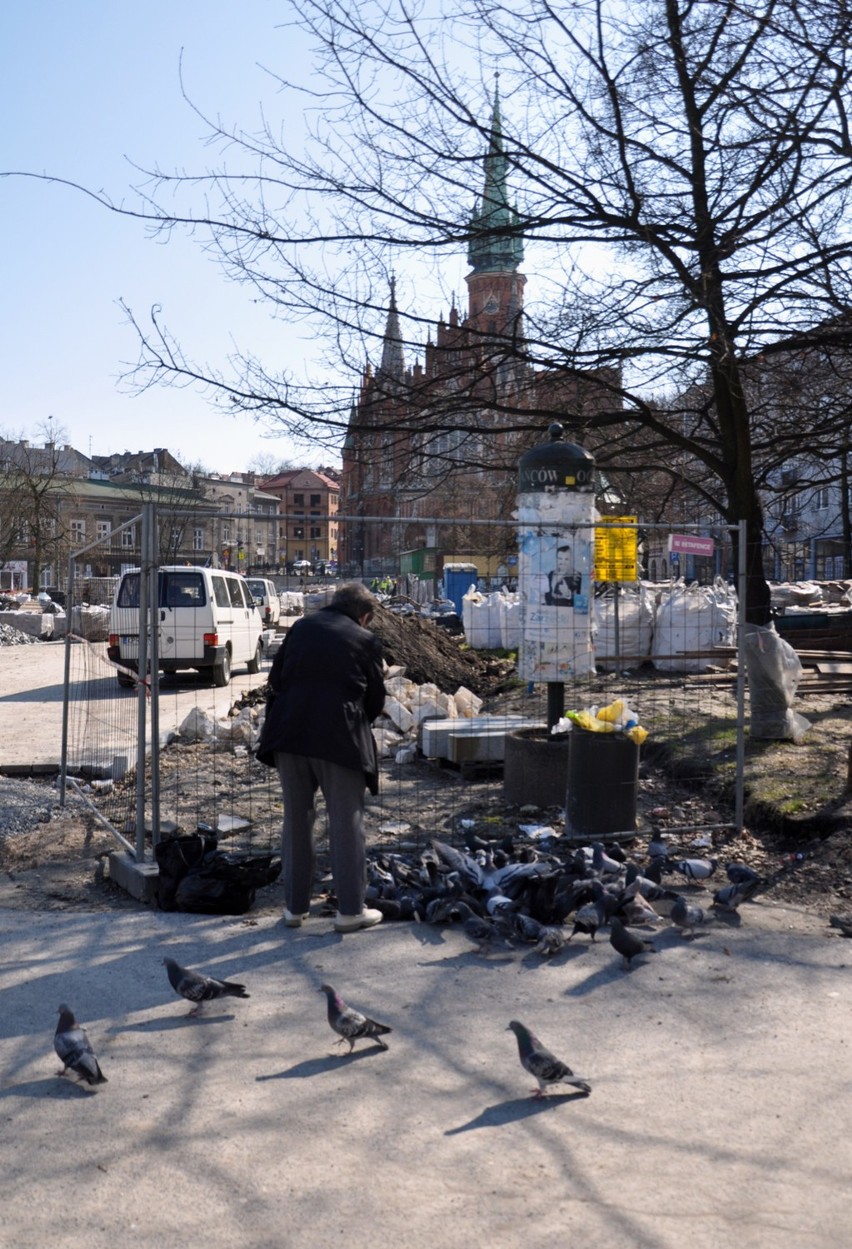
294 921
352 923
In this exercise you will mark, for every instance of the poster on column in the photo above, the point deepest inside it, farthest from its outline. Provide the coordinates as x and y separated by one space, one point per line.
556 587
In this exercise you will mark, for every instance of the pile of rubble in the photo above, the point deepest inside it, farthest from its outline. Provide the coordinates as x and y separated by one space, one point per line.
396 731
11 636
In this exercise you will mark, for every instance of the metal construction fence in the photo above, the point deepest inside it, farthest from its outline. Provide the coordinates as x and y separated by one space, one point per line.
175 753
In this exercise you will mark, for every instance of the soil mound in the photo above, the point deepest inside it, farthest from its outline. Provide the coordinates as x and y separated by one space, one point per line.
429 653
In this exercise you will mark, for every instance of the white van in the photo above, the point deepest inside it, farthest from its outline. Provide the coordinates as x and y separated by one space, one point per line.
266 596
208 621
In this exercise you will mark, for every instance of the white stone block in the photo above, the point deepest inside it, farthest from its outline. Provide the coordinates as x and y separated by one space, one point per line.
467 703
400 716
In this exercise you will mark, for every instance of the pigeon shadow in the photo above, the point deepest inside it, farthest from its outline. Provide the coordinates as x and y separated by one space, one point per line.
728 919
515 1110
427 934
567 954
319 1066
50 1086
468 958
171 1023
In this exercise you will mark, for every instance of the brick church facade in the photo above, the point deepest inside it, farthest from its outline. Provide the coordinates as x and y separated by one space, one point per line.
431 451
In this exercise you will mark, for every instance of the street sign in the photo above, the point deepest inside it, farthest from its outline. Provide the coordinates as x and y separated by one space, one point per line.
615 549
690 544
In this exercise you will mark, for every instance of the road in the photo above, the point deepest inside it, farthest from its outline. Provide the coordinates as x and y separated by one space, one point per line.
31 689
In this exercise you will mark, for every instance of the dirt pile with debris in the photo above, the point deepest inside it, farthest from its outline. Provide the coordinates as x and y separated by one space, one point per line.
429 653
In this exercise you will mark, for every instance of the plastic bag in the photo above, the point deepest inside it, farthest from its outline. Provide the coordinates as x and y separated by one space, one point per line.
194 875
774 670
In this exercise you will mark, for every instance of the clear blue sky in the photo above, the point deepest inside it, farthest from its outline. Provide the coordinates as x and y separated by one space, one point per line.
87 88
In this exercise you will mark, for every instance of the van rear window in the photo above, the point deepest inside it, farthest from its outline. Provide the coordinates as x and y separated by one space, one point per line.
184 589
128 592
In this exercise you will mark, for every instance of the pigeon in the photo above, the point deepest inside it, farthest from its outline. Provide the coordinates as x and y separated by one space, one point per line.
658 846
695 869
687 916
198 988
739 874
484 931
603 863
551 940
732 896
636 910
592 916
75 1052
626 943
843 922
540 1063
349 1024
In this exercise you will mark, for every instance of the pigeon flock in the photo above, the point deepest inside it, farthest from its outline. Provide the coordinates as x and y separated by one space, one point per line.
502 898
505 896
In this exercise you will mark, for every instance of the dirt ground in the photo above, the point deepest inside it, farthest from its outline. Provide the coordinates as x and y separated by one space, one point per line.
797 815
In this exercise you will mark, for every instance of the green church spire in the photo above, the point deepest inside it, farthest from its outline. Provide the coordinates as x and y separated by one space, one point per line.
492 248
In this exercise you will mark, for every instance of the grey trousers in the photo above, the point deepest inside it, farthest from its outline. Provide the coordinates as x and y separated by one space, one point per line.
344 790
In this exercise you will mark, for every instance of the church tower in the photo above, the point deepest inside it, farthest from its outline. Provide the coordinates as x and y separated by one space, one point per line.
495 287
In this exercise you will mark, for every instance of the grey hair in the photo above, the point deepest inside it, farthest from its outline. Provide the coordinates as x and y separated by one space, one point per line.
353 599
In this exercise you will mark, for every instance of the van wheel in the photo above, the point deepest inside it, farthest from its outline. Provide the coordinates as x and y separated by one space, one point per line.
253 665
222 670
126 682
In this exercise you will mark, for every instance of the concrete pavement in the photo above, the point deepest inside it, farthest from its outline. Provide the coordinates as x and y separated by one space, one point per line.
719 1113
31 687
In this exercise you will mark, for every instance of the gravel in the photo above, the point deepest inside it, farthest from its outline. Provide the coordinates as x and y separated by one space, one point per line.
10 636
25 803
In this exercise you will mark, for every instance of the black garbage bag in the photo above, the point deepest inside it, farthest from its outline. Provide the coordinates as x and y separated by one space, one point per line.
194 875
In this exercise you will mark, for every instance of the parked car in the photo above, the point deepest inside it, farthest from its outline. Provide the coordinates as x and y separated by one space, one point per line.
301 566
266 597
208 621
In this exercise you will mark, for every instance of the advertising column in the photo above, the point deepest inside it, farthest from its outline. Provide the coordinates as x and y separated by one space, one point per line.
556 519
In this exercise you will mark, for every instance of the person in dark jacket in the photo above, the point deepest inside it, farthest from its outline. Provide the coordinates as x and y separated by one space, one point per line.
327 689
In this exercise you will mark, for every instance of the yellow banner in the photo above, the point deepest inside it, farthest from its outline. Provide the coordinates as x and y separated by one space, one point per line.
615 549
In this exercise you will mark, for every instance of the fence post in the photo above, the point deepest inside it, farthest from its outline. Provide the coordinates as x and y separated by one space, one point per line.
739 805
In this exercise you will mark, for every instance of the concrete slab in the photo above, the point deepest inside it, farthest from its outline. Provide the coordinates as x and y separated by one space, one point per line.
140 880
720 1071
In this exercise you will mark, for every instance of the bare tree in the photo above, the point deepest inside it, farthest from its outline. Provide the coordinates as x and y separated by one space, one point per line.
682 169
33 482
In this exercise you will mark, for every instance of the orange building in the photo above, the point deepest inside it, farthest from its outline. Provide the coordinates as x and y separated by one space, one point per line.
308 504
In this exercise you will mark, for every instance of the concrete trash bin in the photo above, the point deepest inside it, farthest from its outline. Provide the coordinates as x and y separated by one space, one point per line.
603 778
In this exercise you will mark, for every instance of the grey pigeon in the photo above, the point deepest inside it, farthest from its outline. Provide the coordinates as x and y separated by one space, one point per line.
636 910
198 988
485 932
603 862
658 846
695 869
739 874
687 916
843 923
592 916
626 943
730 897
75 1052
349 1024
540 1063
551 939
